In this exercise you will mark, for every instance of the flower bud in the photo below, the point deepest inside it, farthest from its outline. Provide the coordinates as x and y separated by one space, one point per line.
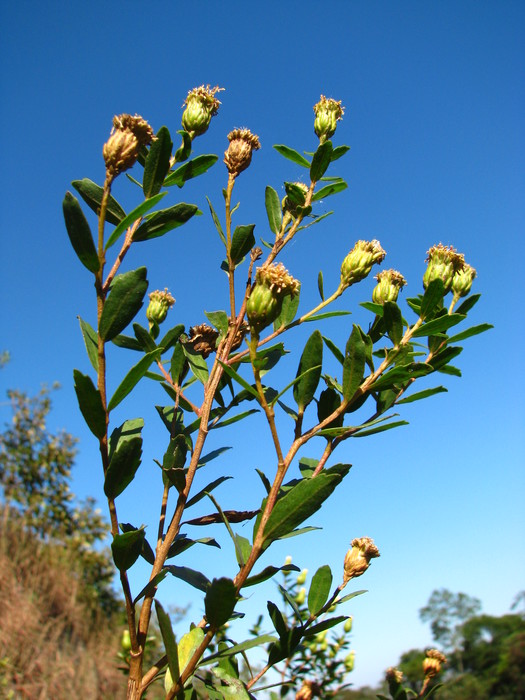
272 283
308 690
201 106
443 263
203 339
301 596
290 204
301 578
432 663
125 641
394 675
288 560
127 137
159 305
462 281
349 661
327 113
348 625
389 283
239 154
358 263
357 559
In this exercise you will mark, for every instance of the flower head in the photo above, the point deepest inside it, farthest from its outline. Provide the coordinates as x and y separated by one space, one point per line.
433 662
389 284
272 283
357 559
359 261
201 106
327 113
462 281
238 156
159 305
308 690
443 263
128 135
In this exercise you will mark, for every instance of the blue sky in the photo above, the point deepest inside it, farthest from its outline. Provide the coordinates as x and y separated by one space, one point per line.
434 97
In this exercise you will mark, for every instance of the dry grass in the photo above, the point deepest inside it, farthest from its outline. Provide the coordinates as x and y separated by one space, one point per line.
53 646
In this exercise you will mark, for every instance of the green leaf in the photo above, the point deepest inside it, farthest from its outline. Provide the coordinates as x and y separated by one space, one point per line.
90 341
354 363
400 375
238 648
311 359
393 321
207 489
432 299
243 548
320 285
160 222
468 303
374 308
339 151
298 504
438 325
197 363
422 394
150 587
334 350
194 578
444 357
220 601
217 222
184 152
233 419
328 314
126 548
90 404
295 195
92 194
123 302
325 625
288 311
234 375
168 638
243 241
187 646
126 342
379 428
319 589
268 573
273 209
132 378
137 213
321 161
333 188
79 233
191 169
157 163
171 337
474 330
292 155
232 688
124 458
144 338
219 319
212 455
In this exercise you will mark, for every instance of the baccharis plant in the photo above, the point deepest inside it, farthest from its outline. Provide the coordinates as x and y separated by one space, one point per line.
207 372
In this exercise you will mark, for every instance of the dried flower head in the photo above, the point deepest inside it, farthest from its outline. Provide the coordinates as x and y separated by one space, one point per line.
359 261
389 284
128 135
432 663
308 690
327 113
394 674
357 559
443 263
462 281
272 283
201 106
239 153
239 335
203 339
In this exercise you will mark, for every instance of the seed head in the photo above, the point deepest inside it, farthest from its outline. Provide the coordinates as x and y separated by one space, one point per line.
357 559
201 106
238 156
308 690
327 113
203 339
359 261
128 135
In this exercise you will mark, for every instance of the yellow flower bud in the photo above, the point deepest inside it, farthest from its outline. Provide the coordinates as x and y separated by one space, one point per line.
159 305
348 625
443 263
349 661
201 106
125 641
239 154
357 559
127 137
327 113
301 578
358 263
389 283
301 596
433 662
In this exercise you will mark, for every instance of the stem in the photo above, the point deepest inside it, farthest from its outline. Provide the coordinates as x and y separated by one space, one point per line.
231 266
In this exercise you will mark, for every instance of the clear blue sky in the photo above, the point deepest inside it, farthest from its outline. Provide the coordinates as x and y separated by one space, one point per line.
434 97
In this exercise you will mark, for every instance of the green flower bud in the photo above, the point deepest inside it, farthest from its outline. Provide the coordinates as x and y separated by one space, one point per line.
358 263
272 284
295 199
348 625
201 106
357 559
301 596
443 263
159 305
349 661
127 137
239 154
462 281
125 641
389 282
302 577
327 113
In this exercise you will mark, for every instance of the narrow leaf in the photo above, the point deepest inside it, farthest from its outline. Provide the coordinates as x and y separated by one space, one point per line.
333 188
432 299
325 625
197 363
168 638
234 375
217 222
220 600
321 161
311 359
90 341
92 194
243 241
132 378
157 163
288 311
194 578
137 213
354 363
79 233
474 330
123 302
191 169
90 404
273 209
438 325
422 394
207 489
393 321
165 220
292 155
268 573
126 548
319 589
379 428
